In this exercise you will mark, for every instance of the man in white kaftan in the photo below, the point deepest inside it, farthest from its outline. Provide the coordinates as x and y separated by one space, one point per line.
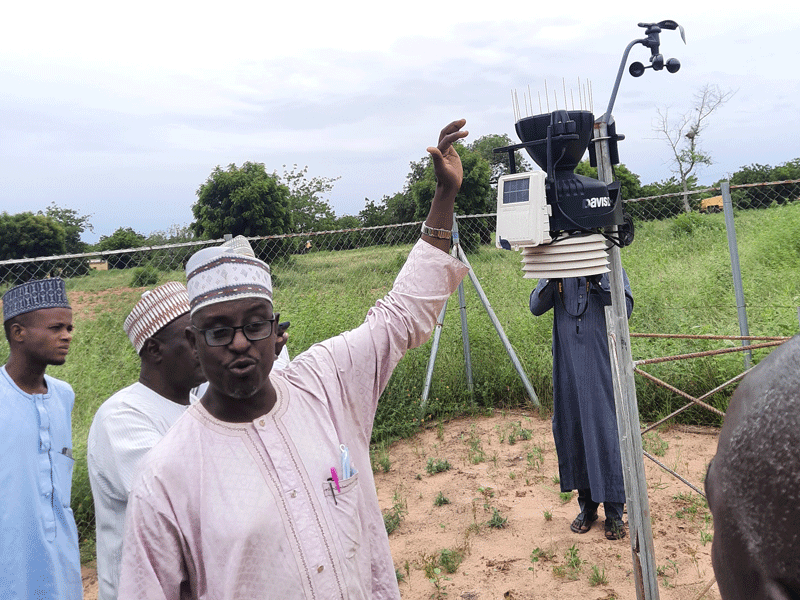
135 418
235 508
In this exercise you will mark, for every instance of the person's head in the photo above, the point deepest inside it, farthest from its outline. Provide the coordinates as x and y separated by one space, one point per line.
155 327
753 483
233 327
37 320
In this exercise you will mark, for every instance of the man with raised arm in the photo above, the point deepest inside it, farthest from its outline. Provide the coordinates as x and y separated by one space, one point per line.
264 488
39 555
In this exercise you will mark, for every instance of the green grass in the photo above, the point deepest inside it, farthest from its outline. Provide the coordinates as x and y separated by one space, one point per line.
679 271
395 515
497 521
437 465
655 444
441 500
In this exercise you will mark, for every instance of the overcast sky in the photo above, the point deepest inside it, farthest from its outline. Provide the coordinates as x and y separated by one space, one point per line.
122 110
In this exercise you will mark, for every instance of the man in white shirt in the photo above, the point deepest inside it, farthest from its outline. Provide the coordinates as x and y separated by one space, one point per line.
131 421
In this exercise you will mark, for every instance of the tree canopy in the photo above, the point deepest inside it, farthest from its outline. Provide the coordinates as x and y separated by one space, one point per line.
485 146
630 183
309 209
26 235
74 225
682 134
242 200
122 239
475 196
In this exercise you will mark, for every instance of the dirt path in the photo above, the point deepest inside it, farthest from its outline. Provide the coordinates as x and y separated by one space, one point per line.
488 473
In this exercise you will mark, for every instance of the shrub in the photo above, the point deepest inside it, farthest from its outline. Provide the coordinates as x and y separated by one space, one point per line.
144 276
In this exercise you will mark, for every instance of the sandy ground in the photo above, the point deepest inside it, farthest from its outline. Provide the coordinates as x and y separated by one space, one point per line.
489 477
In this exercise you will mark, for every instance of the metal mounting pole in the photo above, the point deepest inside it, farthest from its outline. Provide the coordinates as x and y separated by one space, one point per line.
628 426
432 358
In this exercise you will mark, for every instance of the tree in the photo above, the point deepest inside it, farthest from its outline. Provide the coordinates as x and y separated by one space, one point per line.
122 239
26 235
310 211
760 197
630 183
373 215
74 225
475 196
400 208
659 207
485 146
175 234
242 200
682 134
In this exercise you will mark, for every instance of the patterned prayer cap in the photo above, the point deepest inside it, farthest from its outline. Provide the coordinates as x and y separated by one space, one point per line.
227 272
156 309
34 295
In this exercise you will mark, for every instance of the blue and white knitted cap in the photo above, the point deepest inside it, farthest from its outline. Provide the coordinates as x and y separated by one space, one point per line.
34 295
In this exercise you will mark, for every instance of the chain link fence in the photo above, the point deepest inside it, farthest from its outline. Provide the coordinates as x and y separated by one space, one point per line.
709 200
476 230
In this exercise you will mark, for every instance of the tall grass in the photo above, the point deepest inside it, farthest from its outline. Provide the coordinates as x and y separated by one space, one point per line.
679 271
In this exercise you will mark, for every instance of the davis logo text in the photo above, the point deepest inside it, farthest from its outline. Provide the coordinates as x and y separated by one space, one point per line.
597 202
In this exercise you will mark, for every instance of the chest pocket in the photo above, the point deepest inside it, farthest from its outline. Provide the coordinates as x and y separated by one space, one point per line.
62 476
343 506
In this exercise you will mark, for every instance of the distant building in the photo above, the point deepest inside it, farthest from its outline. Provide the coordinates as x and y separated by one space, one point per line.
711 205
98 264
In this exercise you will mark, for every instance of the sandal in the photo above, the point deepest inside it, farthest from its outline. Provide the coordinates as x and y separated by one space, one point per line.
583 522
615 529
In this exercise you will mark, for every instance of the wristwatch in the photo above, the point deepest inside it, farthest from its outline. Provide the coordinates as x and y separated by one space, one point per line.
442 234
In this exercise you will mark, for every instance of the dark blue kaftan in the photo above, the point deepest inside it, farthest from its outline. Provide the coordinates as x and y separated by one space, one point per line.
584 417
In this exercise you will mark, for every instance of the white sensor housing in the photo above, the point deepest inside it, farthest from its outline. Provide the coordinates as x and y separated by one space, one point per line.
523 223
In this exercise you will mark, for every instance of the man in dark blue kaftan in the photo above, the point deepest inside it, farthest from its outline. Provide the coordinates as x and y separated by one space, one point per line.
584 416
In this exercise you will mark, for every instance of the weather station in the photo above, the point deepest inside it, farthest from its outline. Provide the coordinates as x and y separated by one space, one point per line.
569 225
564 223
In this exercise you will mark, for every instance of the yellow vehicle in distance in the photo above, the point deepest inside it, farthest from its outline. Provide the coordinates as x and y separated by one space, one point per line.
711 205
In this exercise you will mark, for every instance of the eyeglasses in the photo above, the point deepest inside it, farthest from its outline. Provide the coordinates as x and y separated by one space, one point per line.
222 336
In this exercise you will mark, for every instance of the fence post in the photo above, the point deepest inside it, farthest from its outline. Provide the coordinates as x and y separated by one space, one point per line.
733 250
